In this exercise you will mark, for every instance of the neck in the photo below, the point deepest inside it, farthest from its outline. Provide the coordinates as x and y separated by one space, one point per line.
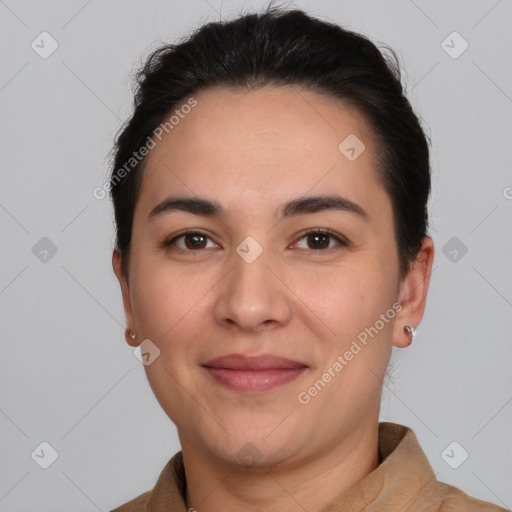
215 486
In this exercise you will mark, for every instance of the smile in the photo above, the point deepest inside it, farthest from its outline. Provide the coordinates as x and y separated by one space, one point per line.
256 374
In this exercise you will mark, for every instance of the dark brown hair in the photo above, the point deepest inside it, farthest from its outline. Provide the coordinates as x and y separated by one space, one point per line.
284 47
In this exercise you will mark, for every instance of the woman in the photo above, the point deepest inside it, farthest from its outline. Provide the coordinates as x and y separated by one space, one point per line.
270 195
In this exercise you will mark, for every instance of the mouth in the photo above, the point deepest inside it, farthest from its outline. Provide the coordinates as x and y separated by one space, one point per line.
253 373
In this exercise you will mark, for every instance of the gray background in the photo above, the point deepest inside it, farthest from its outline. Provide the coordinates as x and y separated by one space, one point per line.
67 376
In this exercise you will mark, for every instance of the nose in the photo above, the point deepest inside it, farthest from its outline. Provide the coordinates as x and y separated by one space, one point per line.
252 296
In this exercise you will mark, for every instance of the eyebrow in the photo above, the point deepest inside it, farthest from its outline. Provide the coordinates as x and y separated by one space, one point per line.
300 206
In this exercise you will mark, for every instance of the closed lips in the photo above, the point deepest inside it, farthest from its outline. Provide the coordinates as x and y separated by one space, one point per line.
254 363
255 374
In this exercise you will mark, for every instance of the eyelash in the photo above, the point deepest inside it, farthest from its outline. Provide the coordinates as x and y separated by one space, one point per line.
338 238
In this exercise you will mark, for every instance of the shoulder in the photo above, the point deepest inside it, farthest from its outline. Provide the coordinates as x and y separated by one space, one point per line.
167 494
447 498
406 475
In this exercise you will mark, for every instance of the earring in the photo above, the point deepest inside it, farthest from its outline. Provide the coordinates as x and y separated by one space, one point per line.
410 330
130 333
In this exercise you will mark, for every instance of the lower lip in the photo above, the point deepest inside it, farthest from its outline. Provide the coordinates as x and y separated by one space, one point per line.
254 380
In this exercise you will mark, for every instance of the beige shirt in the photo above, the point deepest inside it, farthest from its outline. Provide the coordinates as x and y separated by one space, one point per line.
403 482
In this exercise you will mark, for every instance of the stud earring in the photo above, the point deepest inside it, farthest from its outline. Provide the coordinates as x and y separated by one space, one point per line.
130 333
410 330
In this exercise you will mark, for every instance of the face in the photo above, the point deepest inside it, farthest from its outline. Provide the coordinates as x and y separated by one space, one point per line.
251 265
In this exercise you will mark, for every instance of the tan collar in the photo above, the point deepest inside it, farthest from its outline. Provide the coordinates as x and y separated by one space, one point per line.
403 477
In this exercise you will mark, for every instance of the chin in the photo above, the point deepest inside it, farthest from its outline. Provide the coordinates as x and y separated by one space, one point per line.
254 456
258 446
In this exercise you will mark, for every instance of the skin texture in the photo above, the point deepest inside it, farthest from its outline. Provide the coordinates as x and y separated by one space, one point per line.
251 152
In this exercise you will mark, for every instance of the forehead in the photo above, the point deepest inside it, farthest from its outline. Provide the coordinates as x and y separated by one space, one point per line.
266 143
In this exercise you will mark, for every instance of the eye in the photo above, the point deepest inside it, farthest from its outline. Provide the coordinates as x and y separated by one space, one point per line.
315 239
189 241
320 239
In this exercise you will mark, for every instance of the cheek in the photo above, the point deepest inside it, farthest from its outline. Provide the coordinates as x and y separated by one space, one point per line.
169 311
164 298
346 299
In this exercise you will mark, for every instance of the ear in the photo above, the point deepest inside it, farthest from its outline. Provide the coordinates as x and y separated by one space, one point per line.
125 290
413 293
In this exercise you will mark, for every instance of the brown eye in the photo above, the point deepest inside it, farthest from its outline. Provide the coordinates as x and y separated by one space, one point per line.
321 240
318 241
195 241
189 241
